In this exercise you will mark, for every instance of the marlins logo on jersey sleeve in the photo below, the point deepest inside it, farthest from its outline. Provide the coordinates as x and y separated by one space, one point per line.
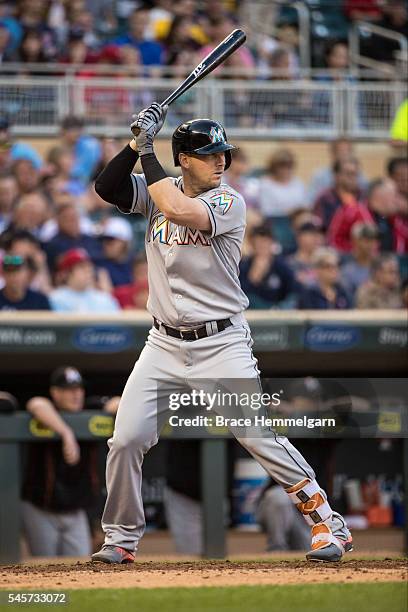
226 209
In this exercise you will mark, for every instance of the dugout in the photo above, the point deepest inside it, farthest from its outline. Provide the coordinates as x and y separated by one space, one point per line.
287 344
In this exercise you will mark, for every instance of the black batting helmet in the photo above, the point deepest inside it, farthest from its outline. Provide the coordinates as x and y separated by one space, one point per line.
203 137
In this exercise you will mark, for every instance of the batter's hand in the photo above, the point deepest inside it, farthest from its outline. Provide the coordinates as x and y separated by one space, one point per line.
147 125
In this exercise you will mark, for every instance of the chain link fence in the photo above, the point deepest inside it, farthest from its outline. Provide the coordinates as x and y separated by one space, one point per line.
248 108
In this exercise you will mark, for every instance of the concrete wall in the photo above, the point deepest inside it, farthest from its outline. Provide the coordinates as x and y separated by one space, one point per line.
310 155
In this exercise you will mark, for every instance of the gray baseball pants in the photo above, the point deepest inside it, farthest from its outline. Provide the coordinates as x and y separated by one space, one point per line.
225 355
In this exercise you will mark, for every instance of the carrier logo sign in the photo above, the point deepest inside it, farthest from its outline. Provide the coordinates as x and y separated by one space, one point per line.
331 338
102 339
217 135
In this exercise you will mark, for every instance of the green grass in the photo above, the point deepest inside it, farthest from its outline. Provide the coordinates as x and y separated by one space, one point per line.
357 597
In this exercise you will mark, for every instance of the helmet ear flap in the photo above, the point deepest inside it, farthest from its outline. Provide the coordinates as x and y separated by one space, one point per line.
228 159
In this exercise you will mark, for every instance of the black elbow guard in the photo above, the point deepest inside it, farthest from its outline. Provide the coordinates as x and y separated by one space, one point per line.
101 190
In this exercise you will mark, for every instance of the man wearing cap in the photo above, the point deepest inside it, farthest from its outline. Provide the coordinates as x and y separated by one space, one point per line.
78 292
116 239
61 478
356 270
16 294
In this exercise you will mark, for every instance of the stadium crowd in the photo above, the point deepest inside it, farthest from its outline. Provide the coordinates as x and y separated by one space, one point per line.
160 33
336 243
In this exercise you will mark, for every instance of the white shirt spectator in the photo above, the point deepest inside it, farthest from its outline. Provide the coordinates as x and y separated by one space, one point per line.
66 299
277 199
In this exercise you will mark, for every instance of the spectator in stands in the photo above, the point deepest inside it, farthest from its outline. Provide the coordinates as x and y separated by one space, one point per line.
27 176
282 65
61 479
85 148
326 293
16 294
343 220
179 40
237 177
337 59
84 22
69 235
399 128
395 19
23 243
31 50
382 290
150 51
397 170
134 295
32 16
357 268
280 191
323 179
345 191
78 292
383 206
116 239
30 212
5 43
77 51
218 29
265 277
161 18
8 193
10 150
309 238
61 160
8 21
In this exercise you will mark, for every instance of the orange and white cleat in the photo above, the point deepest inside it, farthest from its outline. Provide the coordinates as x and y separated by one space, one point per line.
326 547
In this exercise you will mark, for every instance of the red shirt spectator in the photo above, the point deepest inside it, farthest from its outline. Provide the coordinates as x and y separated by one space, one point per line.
345 192
338 233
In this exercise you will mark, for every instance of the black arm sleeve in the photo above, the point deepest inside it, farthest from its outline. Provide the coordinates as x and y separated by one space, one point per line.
114 184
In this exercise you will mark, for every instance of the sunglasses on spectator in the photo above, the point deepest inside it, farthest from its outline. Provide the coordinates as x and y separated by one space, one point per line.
12 262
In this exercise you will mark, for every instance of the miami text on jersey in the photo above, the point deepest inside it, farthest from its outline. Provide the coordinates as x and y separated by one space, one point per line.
162 230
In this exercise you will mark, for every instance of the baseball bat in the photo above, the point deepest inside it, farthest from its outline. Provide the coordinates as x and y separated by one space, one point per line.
232 42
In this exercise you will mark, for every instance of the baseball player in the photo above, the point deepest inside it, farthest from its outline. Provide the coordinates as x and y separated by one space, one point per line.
196 225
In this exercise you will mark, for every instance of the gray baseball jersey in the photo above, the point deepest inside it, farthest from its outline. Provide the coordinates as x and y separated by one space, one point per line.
193 275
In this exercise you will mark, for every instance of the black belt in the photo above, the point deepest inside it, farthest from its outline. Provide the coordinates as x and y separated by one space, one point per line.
192 334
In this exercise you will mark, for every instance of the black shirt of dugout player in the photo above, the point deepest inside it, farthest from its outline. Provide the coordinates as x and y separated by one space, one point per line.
51 484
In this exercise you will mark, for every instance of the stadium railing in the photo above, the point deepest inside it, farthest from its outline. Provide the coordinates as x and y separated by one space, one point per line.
253 109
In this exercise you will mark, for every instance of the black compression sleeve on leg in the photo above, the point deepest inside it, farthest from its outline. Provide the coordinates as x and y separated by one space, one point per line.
114 184
152 169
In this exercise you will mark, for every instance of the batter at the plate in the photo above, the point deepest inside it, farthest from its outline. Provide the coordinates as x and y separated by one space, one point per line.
196 226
